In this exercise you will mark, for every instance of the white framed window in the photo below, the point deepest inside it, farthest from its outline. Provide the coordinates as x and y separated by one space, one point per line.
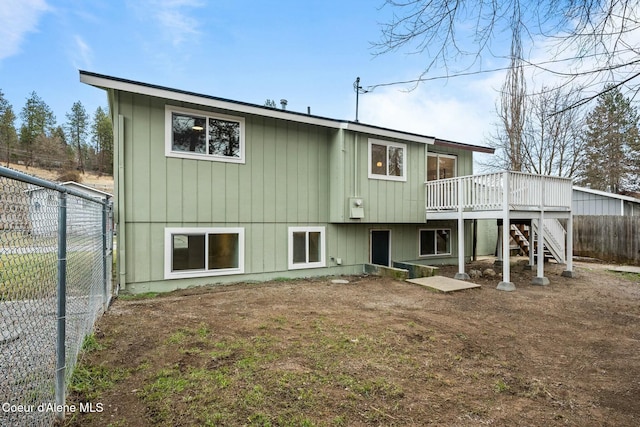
387 160
200 252
434 242
306 247
441 166
201 135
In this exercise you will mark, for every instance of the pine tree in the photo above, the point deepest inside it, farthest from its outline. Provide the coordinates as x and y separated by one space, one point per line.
37 120
611 142
102 135
77 124
8 134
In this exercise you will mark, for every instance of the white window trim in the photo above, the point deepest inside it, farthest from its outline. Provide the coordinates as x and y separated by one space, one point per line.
387 144
438 155
298 266
435 243
168 253
168 135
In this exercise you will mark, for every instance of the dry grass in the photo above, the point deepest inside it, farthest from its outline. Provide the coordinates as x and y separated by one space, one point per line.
102 183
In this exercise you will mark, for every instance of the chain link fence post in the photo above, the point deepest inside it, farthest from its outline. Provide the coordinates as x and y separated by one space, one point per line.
105 289
62 303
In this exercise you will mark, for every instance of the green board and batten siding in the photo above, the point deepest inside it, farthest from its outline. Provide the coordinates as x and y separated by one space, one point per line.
384 201
294 174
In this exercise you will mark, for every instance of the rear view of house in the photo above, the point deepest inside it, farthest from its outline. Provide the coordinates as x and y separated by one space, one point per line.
209 190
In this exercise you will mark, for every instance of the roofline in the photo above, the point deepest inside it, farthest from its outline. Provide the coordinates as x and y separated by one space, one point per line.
115 83
464 146
87 188
604 193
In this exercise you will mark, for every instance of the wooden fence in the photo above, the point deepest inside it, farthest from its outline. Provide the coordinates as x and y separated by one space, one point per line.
606 237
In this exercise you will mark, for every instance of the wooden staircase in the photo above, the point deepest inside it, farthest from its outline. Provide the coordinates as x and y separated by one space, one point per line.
553 239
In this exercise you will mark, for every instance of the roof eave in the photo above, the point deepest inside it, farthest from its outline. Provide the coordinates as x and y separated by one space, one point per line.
119 84
463 146
605 194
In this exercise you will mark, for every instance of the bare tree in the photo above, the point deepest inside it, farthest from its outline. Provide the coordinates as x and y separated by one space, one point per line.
548 139
513 102
509 137
593 39
553 144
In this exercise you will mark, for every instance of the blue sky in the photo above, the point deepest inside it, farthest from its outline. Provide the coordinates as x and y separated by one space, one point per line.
309 52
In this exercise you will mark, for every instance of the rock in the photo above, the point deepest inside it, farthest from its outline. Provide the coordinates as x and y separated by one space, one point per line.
340 281
489 272
475 274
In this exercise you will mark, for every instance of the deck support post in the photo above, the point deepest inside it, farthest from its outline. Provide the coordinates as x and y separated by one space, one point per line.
461 275
569 252
498 261
532 238
540 279
505 284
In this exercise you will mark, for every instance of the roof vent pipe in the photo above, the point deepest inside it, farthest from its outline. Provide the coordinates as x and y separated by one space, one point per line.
283 103
309 111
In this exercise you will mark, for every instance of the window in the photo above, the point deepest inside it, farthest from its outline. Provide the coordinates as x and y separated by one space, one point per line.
200 135
441 166
199 252
435 242
306 247
387 160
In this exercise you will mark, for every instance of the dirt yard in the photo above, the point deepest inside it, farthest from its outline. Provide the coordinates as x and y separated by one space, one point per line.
371 352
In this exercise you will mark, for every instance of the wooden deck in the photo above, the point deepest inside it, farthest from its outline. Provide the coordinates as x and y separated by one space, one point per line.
509 197
492 195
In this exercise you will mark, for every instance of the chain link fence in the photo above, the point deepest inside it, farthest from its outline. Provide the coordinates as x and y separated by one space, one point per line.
55 281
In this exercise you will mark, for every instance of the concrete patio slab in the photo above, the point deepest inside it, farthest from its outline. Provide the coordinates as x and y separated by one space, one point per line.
443 284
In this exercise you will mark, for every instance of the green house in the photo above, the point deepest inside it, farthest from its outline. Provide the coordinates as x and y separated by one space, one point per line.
210 190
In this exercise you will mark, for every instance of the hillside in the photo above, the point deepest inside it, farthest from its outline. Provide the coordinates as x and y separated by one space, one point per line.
103 183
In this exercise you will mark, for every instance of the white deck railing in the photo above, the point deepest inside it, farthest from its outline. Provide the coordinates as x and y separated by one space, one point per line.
486 192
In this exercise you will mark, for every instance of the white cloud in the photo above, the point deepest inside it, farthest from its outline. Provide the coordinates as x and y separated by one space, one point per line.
81 54
175 18
17 18
463 114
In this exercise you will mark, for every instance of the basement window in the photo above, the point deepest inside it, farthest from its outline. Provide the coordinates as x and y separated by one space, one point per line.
306 247
201 135
435 242
200 252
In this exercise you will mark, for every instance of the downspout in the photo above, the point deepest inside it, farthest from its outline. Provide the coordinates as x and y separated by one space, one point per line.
356 192
120 211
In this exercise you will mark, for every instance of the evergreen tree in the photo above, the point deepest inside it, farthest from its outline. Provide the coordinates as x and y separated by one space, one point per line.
77 129
37 119
102 135
611 141
8 134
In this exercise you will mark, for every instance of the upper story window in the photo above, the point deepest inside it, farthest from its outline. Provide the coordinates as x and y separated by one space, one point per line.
387 160
196 134
441 166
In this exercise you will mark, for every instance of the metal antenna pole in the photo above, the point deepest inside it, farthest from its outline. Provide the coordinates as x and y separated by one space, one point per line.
357 87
